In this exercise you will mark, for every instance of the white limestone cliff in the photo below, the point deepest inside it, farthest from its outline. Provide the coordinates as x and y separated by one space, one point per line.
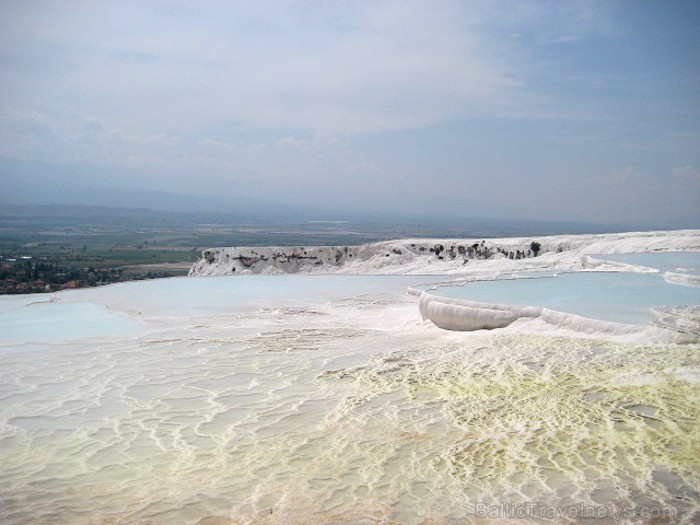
444 257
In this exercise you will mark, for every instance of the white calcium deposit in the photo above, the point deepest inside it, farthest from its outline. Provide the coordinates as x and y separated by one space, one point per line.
463 260
475 257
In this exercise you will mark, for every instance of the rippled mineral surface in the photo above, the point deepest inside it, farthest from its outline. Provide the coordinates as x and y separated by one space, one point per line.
345 411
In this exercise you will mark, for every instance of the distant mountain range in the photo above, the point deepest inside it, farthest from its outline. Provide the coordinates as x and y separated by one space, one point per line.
35 188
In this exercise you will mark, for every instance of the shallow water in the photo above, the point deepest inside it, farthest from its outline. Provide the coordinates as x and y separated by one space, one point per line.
136 308
681 262
617 296
333 403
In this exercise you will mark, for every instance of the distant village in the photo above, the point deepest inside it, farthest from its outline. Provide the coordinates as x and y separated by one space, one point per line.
23 274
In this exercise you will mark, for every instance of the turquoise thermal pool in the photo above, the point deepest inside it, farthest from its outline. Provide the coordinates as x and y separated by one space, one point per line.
666 295
616 296
679 262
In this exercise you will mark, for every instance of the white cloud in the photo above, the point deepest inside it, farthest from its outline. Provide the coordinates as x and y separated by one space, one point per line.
292 143
625 175
565 39
687 172
619 177
320 67
324 68
364 94
234 148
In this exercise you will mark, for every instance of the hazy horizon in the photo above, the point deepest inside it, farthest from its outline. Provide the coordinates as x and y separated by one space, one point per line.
571 112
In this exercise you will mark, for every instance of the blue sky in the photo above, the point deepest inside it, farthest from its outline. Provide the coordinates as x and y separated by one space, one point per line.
570 110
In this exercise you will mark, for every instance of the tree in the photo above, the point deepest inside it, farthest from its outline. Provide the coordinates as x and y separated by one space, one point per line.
535 247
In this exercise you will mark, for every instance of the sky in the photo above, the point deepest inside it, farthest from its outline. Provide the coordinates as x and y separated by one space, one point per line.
577 110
